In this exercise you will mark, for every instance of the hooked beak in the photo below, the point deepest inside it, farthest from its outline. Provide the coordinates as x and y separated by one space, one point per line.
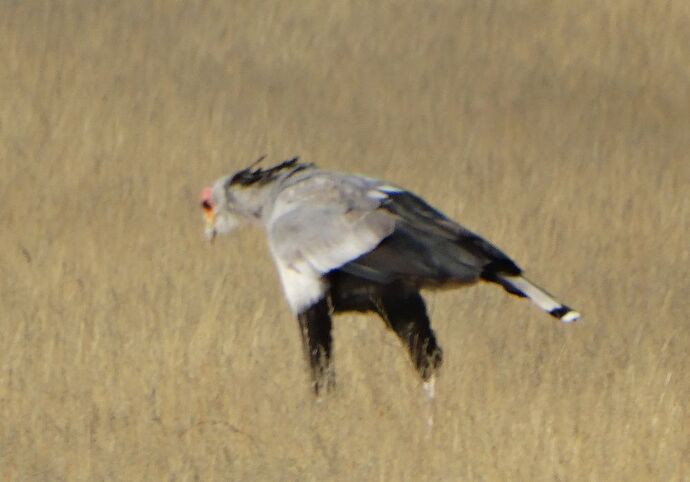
210 229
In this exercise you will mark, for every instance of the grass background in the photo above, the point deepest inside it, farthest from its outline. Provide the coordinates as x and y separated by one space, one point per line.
131 350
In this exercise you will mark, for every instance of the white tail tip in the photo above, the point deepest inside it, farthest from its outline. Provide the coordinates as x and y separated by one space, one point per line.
570 316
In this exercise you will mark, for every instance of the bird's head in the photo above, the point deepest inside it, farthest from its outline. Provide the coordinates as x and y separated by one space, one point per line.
241 198
212 207
226 208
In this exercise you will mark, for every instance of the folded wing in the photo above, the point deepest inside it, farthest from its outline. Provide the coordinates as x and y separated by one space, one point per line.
376 232
429 249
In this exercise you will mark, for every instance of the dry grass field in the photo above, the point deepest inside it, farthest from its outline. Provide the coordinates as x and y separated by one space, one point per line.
132 350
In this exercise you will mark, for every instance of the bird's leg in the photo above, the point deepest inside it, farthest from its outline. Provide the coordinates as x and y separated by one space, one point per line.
405 312
315 324
429 387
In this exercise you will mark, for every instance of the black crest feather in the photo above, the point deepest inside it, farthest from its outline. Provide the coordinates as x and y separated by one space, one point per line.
249 176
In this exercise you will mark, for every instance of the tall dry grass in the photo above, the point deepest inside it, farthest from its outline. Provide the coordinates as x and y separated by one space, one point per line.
130 350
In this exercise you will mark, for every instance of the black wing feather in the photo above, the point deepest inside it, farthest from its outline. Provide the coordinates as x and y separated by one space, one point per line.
427 248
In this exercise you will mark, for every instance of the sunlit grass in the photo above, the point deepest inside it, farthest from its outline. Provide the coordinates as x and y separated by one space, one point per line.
132 350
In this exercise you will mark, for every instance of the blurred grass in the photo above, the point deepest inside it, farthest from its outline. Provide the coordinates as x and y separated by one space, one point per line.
130 350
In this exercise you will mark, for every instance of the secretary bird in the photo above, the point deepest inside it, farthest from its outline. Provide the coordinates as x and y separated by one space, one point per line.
343 242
